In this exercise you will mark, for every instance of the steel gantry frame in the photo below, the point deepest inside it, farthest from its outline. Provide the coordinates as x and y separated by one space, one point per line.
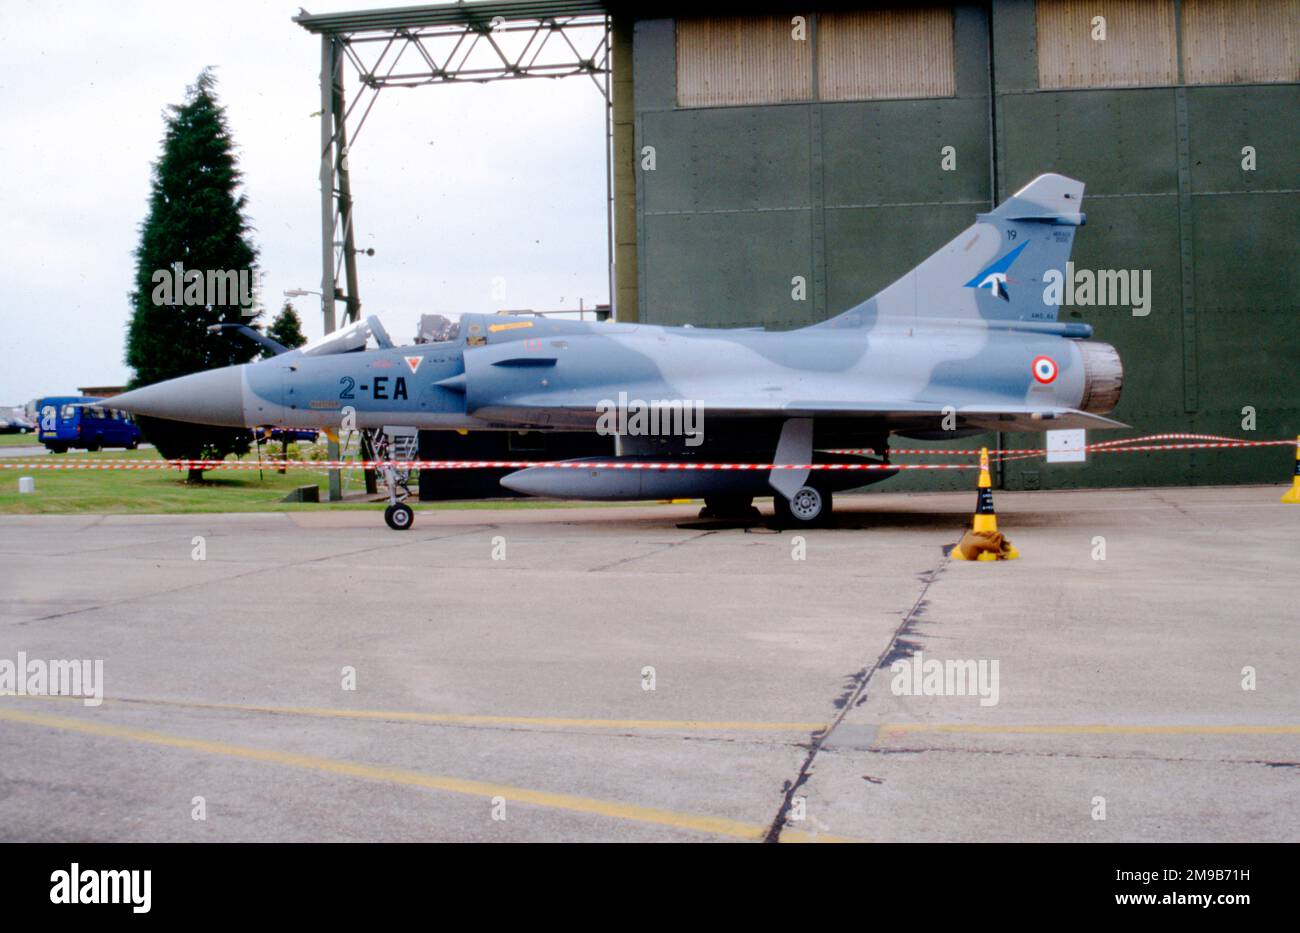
445 44
430 45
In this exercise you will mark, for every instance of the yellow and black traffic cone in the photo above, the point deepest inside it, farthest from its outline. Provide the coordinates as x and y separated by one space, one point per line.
984 541
1293 494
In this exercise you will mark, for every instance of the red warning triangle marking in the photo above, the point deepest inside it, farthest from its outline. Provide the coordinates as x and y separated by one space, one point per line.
413 362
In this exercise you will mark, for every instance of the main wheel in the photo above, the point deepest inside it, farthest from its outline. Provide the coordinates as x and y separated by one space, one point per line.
809 506
399 516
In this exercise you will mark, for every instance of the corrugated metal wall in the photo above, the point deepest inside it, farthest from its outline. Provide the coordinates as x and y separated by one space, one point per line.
847 195
883 54
741 60
1139 45
864 55
1239 41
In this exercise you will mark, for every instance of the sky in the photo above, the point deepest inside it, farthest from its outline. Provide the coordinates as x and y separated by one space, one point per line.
454 187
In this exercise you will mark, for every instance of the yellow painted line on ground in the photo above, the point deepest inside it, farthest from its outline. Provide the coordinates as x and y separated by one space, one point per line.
687 725
718 826
891 729
683 725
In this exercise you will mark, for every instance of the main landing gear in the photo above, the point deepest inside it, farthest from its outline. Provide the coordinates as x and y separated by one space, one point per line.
801 501
809 507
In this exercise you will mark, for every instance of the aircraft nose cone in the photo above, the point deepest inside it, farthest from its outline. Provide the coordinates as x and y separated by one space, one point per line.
212 397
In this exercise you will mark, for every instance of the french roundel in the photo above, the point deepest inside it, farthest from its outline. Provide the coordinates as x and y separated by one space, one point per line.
1044 369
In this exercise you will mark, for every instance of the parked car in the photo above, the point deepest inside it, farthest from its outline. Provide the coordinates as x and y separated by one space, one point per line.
14 421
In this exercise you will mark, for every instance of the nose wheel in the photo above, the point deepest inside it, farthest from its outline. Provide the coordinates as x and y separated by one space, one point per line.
399 516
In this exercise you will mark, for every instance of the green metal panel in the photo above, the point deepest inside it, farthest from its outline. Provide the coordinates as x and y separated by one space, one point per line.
971 46
725 269
888 152
727 159
654 63
865 250
1118 142
1015 45
1225 119
1123 145
1247 284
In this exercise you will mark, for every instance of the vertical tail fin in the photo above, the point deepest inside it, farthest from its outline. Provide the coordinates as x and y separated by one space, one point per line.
995 270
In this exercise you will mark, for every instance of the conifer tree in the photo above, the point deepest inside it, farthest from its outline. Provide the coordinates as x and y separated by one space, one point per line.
194 237
286 329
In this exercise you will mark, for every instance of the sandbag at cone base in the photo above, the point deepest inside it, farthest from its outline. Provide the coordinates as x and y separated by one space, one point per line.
1293 494
984 541
984 545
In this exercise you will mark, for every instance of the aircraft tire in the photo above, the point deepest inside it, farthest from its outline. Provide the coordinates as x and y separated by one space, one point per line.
399 517
809 507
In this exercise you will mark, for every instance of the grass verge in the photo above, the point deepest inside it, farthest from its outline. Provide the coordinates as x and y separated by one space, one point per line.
159 491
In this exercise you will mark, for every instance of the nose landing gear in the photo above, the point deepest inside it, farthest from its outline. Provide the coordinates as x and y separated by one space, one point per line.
399 516
398 444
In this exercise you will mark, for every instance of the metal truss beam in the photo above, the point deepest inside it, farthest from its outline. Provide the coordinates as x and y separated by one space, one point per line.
555 47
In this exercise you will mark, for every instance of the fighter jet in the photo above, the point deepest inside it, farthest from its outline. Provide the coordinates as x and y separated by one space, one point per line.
968 341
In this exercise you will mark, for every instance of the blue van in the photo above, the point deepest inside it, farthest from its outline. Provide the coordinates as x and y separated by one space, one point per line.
65 421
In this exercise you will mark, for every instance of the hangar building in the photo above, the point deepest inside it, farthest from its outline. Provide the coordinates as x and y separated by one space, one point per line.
777 167
838 148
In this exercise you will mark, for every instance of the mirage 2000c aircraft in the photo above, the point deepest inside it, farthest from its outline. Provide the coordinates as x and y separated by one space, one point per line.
966 342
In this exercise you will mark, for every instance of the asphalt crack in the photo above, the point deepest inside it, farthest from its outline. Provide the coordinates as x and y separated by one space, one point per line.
1179 509
659 550
855 694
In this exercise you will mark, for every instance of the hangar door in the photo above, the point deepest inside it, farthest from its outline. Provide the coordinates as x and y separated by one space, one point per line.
795 175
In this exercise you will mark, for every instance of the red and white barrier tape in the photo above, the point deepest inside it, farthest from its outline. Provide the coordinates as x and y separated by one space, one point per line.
1197 442
465 465
1203 440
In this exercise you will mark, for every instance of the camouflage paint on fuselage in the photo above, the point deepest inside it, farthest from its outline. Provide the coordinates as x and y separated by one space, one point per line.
966 341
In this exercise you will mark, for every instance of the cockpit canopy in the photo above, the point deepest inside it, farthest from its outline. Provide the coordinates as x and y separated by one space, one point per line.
351 339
